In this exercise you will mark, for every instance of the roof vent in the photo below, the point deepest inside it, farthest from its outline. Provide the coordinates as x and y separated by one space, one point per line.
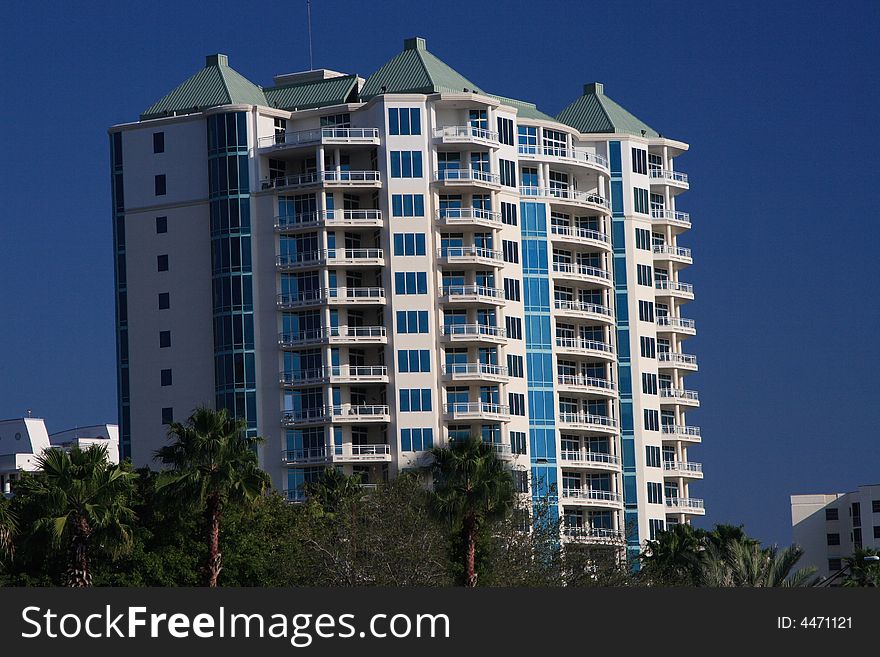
216 60
416 43
594 88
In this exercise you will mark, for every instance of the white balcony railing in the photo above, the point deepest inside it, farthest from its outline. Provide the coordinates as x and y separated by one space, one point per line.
597 534
566 417
669 175
687 360
468 252
580 233
683 466
679 394
312 258
453 291
488 369
575 155
586 456
465 133
468 215
578 380
475 408
359 411
473 330
690 503
674 286
584 345
367 217
582 306
581 270
591 494
315 135
362 333
466 175
566 195
322 177
676 322
682 218
681 430
670 250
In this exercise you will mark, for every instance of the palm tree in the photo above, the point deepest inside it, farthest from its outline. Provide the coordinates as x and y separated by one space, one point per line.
8 529
672 559
333 489
862 572
471 486
213 462
86 504
745 563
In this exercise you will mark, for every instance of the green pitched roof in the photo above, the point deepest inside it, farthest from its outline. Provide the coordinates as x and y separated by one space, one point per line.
415 70
314 93
596 112
216 84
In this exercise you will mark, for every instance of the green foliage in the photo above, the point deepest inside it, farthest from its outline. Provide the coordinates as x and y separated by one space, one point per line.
861 572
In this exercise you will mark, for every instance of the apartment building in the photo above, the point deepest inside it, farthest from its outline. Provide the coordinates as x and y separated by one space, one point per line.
363 268
831 526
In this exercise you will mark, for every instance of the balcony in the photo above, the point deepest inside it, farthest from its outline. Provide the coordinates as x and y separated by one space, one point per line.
466 334
469 255
671 217
671 359
669 288
305 456
680 432
585 236
330 179
477 410
503 451
683 469
576 156
568 197
293 261
356 257
355 413
374 453
571 271
593 535
475 372
579 421
583 347
688 505
590 460
669 324
590 385
328 135
466 134
584 310
287 301
334 335
591 497
679 396
329 219
319 415
359 374
670 253
362 296
467 178
478 294
468 217
675 179
294 495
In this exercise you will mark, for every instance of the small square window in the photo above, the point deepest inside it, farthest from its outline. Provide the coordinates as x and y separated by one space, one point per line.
162 262
831 514
876 531
833 539
164 300
875 506
167 415
160 184
166 377
164 339
161 224
158 142
834 564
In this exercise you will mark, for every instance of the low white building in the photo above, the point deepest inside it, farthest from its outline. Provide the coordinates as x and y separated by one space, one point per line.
831 526
22 440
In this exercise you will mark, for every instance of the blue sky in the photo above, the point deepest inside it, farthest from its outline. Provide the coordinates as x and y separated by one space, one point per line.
777 99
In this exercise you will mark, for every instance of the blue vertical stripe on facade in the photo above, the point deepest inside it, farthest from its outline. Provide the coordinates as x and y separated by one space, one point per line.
119 274
624 363
232 285
539 355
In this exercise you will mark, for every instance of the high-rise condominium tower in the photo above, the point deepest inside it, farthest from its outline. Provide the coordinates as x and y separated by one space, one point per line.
362 269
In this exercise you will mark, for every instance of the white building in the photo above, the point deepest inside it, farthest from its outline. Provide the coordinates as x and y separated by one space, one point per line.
23 440
831 526
364 268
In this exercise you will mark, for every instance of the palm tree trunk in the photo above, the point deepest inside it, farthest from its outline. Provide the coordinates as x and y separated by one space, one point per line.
470 539
78 573
214 556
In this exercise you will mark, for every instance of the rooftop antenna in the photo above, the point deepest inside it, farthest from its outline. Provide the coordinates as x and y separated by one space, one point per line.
309 10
